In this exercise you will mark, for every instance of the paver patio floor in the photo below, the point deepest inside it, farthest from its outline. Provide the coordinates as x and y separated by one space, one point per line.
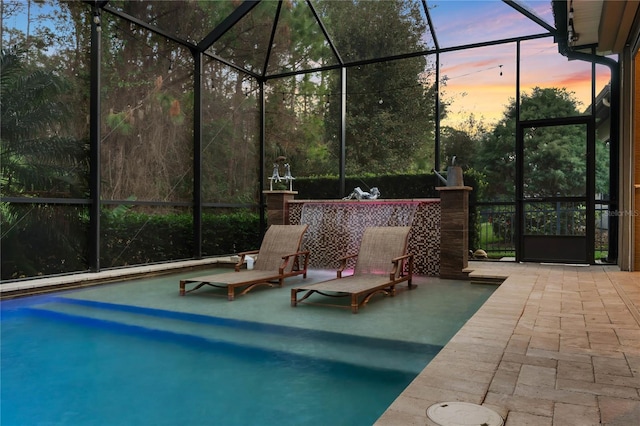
554 345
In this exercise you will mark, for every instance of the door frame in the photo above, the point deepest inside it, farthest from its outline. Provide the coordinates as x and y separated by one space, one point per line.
558 245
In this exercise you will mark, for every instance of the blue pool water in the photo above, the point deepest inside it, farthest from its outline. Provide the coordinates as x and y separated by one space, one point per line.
69 361
65 370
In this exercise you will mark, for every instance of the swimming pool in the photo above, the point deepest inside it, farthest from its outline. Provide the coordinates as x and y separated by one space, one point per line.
135 354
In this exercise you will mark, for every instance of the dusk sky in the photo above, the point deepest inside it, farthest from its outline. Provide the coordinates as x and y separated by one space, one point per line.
474 84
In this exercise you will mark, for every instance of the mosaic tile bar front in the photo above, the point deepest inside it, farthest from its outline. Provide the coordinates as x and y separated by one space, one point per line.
336 228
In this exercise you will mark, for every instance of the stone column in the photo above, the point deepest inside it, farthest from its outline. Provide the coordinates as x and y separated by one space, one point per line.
277 207
454 231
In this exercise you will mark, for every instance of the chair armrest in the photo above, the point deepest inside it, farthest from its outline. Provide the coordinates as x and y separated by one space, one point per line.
398 266
287 258
242 255
343 263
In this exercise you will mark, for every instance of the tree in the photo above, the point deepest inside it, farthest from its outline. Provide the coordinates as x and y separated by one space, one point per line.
295 105
461 141
459 144
390 113
36 156
555 156
147 93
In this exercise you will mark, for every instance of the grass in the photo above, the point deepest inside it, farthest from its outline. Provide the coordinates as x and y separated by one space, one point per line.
486 234
492 244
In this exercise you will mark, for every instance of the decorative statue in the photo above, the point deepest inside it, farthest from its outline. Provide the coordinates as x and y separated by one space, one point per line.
359 194
275 175
287 176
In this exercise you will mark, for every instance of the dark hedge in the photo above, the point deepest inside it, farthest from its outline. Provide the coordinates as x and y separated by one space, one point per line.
131 238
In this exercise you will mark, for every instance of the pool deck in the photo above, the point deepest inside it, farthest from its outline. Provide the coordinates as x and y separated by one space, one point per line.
554 345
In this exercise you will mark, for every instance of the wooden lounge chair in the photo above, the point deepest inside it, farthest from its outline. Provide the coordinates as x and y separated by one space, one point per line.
380 266
279 257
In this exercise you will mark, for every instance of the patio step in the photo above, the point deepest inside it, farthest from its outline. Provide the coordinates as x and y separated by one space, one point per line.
221 333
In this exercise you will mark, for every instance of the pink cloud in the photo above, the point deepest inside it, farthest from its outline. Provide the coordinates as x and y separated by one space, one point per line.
474 84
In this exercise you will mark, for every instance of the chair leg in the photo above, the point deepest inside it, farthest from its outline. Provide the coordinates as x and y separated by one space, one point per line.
182 284
354 304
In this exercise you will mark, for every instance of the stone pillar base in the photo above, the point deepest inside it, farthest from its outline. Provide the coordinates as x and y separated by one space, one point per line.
454 231
277 207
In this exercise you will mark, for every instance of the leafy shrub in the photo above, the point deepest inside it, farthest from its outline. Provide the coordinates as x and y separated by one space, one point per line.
53 241
138 238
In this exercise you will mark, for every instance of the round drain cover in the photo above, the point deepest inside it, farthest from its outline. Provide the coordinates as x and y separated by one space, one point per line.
463 414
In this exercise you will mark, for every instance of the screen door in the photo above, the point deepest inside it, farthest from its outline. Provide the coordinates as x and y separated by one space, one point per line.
555 190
